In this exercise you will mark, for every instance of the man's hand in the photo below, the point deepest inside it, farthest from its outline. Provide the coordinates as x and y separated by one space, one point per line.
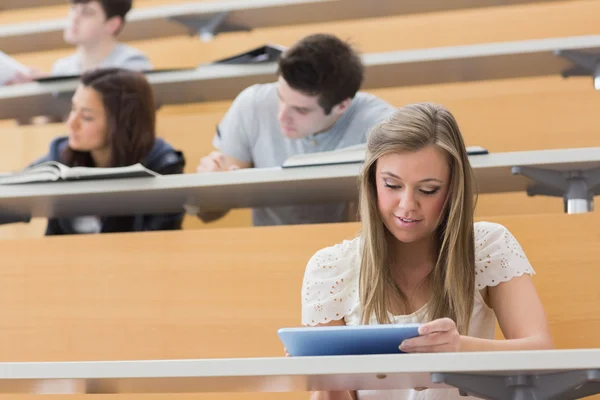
25 77
215 162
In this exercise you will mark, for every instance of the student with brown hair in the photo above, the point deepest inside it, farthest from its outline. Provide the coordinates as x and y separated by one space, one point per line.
93 27
112 124
314 106
421 258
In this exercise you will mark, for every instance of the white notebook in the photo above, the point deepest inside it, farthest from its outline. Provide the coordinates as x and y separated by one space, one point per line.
347 155
52 171
9 67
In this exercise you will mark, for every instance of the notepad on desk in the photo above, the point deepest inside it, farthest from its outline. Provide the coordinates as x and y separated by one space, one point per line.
52 171
268 53
9 68
347 155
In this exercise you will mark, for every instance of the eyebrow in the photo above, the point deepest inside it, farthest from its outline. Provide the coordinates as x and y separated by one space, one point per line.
421 181
302 109
84 109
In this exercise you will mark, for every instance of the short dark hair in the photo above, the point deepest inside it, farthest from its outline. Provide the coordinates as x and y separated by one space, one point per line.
112 8
130 110
325 66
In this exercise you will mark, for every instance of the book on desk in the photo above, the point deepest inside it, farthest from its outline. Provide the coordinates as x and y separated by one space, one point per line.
347 155
52 171
268 53
9 68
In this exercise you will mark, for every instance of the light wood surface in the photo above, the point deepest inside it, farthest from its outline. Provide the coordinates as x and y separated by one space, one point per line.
410 31
511 115
182 288
521 114
225 292
188 294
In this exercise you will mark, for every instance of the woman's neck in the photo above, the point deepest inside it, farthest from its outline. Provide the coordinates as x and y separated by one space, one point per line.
92 56
102 157
411 264
413 256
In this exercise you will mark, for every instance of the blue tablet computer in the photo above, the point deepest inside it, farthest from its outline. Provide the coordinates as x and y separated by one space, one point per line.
346 340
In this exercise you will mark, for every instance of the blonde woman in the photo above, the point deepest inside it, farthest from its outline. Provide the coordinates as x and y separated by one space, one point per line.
421 258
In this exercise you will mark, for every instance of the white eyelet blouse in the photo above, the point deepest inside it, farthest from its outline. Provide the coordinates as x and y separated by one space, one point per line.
330 292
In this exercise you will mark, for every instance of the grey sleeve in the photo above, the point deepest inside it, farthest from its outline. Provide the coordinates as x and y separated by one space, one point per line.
137 62
39 161
61 67
55 68
371 111
379 110
234 132
375 112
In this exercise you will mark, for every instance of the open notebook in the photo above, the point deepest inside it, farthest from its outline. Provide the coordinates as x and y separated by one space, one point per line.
347 155
263 54
52 171
9 67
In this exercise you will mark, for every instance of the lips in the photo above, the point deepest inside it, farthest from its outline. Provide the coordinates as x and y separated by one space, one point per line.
406 222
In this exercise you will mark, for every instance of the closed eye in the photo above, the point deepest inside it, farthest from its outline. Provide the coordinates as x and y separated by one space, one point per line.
425 192
302 111
429 192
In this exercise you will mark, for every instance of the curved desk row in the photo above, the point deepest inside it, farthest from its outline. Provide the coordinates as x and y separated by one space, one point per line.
388 69
573 174
208 19
554 374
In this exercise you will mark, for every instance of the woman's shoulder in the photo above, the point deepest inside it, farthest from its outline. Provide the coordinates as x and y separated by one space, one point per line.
330 285
164 159
57 146
499 257
336 254
494 236
342 259
483 228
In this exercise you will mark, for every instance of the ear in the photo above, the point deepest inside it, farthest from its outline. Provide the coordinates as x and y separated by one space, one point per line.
114 25
341 108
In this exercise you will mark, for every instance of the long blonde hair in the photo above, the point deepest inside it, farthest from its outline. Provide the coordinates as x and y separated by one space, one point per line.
452 280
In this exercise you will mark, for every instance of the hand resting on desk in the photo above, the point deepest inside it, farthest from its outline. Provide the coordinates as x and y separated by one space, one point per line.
30 76
217 162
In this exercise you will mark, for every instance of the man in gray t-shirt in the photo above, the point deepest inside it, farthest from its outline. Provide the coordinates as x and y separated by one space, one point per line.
93 26
121 56
314 106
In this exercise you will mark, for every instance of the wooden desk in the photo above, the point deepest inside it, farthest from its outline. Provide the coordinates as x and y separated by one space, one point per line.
207 19
214 294
535 375
16 4
502 60
256 187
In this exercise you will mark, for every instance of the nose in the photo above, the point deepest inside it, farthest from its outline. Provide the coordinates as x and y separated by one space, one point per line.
283 115
72 121
74 14
408 201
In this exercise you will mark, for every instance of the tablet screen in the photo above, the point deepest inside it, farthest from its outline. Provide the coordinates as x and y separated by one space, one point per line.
346 340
